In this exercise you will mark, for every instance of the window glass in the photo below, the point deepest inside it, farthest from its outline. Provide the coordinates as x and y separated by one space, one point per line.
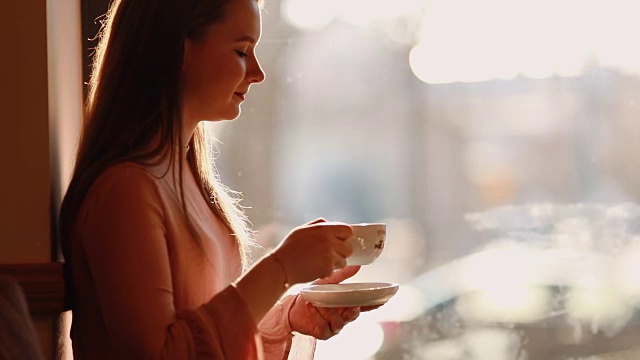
497 139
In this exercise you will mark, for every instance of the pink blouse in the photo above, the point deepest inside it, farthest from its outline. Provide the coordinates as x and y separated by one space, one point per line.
147 289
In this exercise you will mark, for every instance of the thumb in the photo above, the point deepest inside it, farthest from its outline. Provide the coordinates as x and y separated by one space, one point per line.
316 221
339 275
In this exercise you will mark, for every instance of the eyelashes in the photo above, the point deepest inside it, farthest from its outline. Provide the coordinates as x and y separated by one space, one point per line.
241 54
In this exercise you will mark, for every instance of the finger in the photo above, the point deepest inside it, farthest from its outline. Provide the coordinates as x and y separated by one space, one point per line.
333 318
349 314
317 221
342 231
339 276
369 308
338 229
343 248
340 262
323 331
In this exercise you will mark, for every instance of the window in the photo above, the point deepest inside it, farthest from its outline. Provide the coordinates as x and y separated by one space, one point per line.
495 138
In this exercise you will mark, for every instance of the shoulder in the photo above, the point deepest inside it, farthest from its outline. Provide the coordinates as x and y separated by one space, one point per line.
124 192
126 171
126 180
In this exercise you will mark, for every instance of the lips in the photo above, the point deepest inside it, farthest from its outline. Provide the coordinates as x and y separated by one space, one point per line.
240 95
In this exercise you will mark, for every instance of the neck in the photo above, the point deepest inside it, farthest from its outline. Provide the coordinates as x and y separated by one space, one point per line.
189 124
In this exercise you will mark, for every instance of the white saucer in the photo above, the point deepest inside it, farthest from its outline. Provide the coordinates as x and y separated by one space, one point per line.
349 294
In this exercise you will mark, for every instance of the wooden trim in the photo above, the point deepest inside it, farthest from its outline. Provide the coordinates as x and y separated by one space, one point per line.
43 285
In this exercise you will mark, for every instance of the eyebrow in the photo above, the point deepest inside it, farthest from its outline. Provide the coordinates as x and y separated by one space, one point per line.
246 38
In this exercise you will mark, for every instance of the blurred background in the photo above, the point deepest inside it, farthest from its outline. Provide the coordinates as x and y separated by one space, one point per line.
497 140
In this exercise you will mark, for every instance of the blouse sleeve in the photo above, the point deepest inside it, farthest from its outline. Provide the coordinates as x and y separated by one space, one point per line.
278 339
123 237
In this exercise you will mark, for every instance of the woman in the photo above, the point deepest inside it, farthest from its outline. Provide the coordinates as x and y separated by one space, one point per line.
154 244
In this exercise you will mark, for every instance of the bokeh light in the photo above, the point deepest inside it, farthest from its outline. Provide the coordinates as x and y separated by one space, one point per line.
509 305
358 340
598 305
302 15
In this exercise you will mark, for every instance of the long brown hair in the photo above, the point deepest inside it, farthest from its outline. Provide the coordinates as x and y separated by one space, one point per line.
133 109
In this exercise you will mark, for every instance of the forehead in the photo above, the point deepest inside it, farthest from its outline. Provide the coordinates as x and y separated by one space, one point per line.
242 18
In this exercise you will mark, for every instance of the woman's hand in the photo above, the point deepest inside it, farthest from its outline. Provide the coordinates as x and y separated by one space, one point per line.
323 323
309 252
314 250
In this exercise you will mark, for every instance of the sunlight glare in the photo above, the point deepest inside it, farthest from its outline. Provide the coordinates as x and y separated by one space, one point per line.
519 304
491 344
597 304
300 14
503 284
531 39
364 12
627 275
406 305
497 268
360 12
359 340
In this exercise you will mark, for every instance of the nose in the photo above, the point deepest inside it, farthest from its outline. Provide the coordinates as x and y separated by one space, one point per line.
255 74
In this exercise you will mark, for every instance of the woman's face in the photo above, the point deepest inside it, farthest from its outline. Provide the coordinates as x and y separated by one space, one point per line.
220 66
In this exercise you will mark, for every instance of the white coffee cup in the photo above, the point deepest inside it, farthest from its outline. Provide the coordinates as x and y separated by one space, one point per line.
367 242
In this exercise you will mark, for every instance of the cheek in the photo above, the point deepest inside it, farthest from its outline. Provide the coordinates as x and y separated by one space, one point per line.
214 74
228 69
204 80
223 74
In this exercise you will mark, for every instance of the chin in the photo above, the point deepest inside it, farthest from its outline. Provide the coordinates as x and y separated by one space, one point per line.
233 115
229 115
